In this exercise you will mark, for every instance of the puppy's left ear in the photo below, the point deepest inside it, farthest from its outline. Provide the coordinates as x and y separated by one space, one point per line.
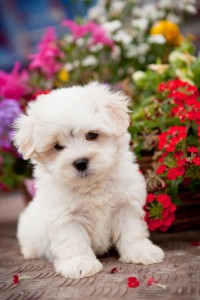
117 108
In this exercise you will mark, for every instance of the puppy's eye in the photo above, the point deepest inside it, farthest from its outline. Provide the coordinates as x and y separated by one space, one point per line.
91 136
58 147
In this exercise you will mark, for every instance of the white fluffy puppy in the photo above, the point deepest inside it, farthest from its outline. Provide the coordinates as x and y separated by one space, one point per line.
89 191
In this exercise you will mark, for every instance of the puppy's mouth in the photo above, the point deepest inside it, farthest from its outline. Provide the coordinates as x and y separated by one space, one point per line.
83 174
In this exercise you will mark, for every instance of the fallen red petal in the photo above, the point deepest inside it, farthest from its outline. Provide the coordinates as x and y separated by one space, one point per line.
15 279
133 282
114 270
150 281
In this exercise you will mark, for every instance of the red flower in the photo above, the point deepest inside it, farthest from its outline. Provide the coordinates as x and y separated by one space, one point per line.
173 173
178 154
161 169
150 197
196 161
181 162
15 279
185 98
133 282
171 138
159 212
193 149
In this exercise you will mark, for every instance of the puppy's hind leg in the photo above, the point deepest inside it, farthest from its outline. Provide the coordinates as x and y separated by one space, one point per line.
32 234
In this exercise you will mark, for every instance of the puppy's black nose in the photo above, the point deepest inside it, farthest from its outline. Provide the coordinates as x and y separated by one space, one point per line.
81 164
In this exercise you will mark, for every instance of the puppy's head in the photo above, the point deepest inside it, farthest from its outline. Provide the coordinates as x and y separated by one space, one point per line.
76 133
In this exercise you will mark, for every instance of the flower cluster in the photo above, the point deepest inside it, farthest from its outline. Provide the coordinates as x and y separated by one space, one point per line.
173 112
180 145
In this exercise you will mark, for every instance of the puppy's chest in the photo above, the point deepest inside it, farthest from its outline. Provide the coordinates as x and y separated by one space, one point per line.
99 212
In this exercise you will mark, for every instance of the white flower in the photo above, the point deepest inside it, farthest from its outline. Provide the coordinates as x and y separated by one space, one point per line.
133 51
149 12
138 76
68 39
90 60
123 37
143 48
96 48
71 65
157 39
112 26
173 18
117 6
191 9
96 12
183 5
80 42
166 4
141 24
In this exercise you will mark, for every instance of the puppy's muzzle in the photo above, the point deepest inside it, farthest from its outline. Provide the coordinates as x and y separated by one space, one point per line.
81 164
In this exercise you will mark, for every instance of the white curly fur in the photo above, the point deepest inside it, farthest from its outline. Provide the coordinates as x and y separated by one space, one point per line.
76 215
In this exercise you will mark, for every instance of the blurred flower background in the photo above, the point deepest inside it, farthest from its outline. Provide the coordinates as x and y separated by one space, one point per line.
145 48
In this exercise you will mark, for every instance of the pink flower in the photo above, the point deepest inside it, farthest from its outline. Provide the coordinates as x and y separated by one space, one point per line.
47 58
99 35
97 32
14 84
77 30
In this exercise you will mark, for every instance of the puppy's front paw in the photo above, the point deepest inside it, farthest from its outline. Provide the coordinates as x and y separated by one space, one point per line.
143 252
78 267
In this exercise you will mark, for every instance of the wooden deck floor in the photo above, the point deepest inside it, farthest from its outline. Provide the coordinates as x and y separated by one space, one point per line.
180 272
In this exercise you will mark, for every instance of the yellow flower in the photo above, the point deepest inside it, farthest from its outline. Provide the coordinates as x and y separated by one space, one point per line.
63 75
169 30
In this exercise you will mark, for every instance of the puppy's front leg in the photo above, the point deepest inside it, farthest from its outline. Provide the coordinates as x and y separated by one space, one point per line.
130 235
72 253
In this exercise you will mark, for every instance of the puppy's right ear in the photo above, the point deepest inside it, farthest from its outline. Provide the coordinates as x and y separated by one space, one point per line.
23 137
